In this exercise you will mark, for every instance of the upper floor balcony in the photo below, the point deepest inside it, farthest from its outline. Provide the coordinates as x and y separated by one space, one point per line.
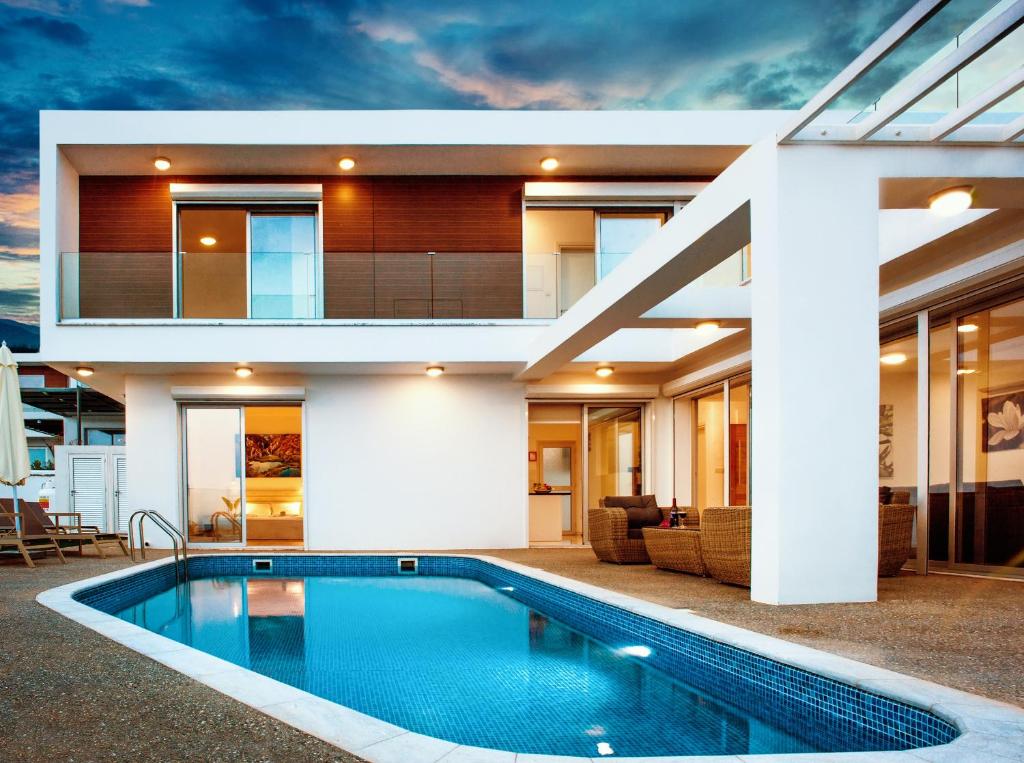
273 259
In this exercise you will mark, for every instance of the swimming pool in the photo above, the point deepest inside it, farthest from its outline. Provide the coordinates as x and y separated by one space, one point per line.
482 655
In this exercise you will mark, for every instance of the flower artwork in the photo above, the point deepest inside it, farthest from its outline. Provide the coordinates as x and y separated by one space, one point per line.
885 429
1003 422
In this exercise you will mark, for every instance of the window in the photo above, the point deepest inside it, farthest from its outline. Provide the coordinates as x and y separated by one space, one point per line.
255 261
104 436
40 458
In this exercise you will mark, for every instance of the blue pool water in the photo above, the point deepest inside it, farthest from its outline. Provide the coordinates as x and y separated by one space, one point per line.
478 654
455 659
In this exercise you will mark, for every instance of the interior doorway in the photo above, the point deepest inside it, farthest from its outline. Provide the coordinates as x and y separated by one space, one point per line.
243 474
555 469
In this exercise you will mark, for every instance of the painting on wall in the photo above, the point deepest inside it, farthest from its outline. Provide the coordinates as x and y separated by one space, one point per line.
885 419
1002 422
273 455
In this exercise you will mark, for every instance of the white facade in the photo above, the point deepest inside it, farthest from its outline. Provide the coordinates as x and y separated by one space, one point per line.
396 460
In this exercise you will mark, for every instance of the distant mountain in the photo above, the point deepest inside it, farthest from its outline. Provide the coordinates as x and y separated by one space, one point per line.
20 337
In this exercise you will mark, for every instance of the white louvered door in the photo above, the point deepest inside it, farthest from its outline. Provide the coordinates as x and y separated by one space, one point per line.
121 510
89 488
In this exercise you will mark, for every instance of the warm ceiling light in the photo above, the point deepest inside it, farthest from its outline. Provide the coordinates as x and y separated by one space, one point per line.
162 163
604 371
435 370
549 163
967 328
894 358
966 371
707 327
346 162
951 201
84 371
243 372
207 241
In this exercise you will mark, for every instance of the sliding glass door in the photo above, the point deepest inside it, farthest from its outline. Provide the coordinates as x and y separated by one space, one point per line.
243 477
247 262
214 478
712 445
615 452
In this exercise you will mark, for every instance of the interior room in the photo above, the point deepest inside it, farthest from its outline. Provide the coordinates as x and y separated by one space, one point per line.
554 473
273 475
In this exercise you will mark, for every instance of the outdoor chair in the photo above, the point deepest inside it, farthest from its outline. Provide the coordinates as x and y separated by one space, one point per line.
725 543
40 522
895 533
25 543
616 527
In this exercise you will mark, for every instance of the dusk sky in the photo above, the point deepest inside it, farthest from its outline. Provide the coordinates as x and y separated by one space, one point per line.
275 54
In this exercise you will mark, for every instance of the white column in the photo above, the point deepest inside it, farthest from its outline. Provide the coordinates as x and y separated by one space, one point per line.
814 231
662 473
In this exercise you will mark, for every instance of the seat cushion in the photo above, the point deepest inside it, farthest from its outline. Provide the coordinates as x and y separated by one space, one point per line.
640 517
635 533
630 501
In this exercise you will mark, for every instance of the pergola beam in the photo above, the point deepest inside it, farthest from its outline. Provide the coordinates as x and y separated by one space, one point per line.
907 24
911 93
981 103
1014 130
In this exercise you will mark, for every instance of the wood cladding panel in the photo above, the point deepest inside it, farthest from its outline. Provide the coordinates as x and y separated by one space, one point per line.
348 215
473 285
124 285
401 283
348 285
124 214
424 214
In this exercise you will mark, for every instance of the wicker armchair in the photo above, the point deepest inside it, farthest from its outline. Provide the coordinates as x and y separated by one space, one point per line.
895 532
725 543
610 535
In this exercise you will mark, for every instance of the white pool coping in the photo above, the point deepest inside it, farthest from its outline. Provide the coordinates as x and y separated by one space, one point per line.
990 731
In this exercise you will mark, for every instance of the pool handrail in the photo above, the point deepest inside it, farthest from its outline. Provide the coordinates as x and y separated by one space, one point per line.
180 571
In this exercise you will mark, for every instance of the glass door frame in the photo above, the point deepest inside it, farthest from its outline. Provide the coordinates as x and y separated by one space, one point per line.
313 208
645 444
723 387
183 510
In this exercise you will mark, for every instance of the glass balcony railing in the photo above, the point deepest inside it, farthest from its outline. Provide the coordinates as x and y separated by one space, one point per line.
556 281
291 285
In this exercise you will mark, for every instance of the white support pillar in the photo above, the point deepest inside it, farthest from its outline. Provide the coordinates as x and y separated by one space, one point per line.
814 226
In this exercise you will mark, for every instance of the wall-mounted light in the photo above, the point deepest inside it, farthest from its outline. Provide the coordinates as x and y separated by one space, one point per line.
243 372
967 328
84 371
549 163
704 328
951 201
207 241
893 358
435 370
347 163
162 163
604 371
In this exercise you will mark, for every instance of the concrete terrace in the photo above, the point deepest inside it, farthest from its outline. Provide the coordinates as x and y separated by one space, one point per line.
68 693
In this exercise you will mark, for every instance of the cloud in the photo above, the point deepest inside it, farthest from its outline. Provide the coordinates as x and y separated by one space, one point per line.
53 30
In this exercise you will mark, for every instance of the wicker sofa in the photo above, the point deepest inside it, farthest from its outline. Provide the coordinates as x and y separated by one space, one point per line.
895 533
725 543
616 527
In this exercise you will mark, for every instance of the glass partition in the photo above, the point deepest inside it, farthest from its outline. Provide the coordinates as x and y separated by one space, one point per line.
739 444
213 474
621 233
283 265
709 450
989 527
615 465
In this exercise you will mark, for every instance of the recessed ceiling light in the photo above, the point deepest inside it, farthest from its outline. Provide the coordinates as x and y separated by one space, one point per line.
84 371
435 370
243 372
967 328
707 327
893 358
951 201
346 162
604 371
207 241
549 163
162 163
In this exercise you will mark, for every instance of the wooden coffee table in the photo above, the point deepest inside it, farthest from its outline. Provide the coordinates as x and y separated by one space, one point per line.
675 548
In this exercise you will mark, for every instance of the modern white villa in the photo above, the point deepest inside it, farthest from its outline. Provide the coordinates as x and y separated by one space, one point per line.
388 330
